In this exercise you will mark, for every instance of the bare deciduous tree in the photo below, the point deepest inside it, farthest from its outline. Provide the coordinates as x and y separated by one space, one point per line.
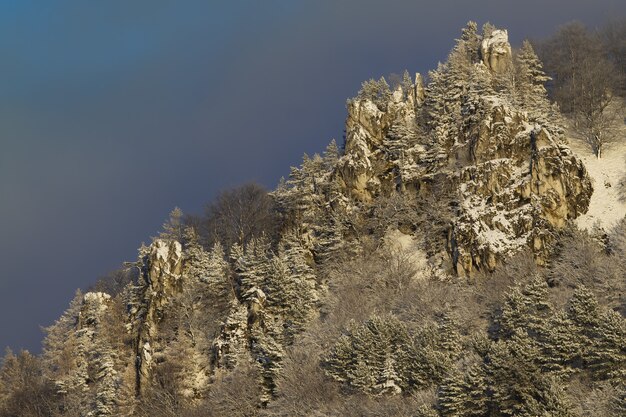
240 214
585 82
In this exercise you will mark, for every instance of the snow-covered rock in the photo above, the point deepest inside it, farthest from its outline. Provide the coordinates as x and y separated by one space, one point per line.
365 169
515 183
160 280
496 51
521 185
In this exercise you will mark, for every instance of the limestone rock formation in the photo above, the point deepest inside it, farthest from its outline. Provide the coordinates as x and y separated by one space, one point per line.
516 182
367 169
496 51
521 185
161 278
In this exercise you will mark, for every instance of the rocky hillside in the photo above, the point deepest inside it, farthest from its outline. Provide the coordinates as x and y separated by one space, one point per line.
514 179
359 298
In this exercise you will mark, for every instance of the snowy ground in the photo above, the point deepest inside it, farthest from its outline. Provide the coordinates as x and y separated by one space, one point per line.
409 248
609 176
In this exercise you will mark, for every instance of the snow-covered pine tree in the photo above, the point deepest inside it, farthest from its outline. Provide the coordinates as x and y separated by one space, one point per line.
584 313
251 265
471 41
267 348
448 87
295 284
80 359
516 385
174 227
436 348
231 344
406 84
559 346
532 78
57 351
63 357
488 29
527 308
400 138
373 356
608 353
331 156
376 91
473 102
207 270
463 394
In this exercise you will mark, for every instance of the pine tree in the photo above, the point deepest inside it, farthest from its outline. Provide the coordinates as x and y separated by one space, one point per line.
406 84
231 344
436 346
63 356
608 352
474 108
450 87
451 396
207 268
488 29
532 77
377 91
449 336
517 386
331 156
471 41
584 313
373 356
251 265
291 285
464 394
174 228
559 346
267 347
81 360
527 308
389 381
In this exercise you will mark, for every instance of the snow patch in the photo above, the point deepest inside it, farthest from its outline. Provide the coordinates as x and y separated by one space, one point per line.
606 207
406 246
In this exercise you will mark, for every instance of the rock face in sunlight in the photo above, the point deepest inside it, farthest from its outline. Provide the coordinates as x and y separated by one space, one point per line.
515 181
353 290
521 185
496 51
366 170
161 279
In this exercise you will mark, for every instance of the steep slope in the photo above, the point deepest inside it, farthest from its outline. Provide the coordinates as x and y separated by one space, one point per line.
608 175
469 169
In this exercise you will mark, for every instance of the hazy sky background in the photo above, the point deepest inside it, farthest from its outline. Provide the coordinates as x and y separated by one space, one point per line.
113 112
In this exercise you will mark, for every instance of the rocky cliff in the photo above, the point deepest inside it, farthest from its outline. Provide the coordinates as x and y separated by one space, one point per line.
160 280
515 182
464 140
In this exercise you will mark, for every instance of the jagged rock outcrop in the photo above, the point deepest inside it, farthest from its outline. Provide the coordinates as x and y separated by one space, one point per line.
495 51
516 183
368 169
521 185
161 278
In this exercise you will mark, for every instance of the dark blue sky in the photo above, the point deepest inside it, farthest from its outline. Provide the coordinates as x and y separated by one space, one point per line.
113 112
